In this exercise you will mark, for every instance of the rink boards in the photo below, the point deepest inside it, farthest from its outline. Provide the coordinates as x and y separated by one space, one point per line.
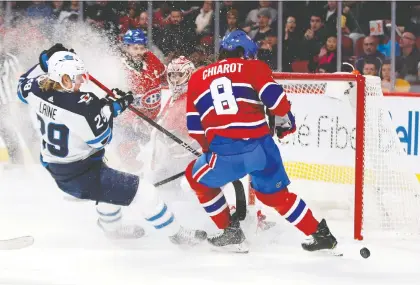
322 149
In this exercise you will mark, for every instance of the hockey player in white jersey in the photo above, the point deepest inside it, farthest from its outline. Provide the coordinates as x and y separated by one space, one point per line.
75 127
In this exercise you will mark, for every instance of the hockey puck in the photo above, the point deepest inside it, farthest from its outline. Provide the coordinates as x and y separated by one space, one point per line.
364 252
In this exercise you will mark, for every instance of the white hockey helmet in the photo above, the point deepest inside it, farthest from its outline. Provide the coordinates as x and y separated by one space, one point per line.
64 62
179 73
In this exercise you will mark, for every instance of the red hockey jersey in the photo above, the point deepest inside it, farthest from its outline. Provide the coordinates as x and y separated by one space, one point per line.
146 85
227 98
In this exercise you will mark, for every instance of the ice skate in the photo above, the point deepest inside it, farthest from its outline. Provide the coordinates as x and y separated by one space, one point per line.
188 237
122 231
321 239
232 239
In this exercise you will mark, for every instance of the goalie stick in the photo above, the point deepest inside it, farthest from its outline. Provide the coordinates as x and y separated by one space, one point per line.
16 243
237 185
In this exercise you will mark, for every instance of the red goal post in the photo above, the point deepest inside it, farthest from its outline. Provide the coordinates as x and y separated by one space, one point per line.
373 163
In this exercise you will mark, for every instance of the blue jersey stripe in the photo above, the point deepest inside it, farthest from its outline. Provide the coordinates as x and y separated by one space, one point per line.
243 92
297 212
216 205
101 137
194 123
204 104
168 222
270 94
160 215
21 97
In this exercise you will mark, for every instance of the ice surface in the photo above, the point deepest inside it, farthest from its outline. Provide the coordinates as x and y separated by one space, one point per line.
70 249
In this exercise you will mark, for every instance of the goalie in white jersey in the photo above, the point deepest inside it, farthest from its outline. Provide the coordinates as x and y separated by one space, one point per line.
75 127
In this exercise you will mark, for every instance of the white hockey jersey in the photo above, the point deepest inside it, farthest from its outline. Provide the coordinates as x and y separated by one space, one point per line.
73 125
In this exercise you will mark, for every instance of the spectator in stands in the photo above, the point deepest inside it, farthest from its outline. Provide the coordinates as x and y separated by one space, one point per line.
225 7
143 21
370 53
314 37
204 21
415 86
162 15
251 21
129 20
326 60
259 34
101 16
369 68
176 37
71 14
57 8
347 23
410 57
232 21
290 44
268 50
331 16
415 18
401 85
39 10
385 46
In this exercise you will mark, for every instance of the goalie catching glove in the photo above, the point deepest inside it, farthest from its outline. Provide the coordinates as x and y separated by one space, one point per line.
285 125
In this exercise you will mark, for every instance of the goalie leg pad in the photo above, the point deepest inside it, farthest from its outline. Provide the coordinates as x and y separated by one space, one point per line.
292 208
212 199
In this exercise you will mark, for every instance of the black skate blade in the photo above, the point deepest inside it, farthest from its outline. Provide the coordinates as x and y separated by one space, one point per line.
232 248
16 243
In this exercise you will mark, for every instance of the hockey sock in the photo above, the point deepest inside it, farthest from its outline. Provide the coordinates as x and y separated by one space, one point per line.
212 199
154 209
109 216
292 208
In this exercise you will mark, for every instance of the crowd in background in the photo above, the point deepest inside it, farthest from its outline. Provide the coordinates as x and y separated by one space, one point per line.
309 31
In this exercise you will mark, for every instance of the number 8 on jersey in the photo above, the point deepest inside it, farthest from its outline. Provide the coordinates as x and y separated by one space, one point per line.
224 101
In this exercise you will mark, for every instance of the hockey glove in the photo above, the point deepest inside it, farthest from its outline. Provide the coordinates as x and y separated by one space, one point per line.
46 54
285 125
121 102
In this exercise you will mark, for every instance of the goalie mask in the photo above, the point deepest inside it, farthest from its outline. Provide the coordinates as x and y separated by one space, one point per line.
179 73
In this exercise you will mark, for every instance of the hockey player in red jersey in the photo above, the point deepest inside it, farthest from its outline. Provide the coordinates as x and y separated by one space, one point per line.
173 119
225 114
144 73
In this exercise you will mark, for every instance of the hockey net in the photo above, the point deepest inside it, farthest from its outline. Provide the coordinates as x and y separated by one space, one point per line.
346 154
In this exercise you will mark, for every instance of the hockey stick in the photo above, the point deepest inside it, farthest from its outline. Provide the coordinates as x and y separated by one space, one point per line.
237 185
16 243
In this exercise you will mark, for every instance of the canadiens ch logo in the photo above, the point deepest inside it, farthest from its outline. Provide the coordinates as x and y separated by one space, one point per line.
151 101
85 98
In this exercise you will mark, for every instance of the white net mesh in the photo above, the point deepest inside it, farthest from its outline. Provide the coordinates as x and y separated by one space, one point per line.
323 151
